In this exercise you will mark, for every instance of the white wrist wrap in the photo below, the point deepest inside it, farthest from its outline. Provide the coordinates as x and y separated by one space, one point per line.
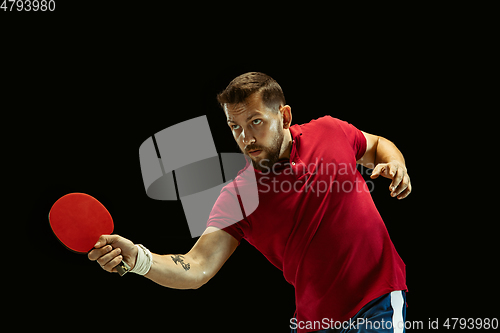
143 262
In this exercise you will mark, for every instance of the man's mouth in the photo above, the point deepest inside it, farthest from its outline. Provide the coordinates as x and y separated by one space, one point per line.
255 152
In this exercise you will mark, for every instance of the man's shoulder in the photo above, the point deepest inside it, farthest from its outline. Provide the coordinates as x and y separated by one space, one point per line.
319 125
325 121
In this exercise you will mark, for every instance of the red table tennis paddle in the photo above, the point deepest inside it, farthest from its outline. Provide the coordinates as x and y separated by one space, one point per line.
78 220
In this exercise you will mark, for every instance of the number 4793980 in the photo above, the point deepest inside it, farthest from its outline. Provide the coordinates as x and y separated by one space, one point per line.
28 5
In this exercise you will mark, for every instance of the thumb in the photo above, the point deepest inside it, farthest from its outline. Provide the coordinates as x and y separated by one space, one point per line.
105 240
377 170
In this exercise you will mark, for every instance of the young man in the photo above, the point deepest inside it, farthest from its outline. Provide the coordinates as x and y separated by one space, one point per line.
316 220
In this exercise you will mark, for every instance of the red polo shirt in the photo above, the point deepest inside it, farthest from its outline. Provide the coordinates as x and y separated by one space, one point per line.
316 221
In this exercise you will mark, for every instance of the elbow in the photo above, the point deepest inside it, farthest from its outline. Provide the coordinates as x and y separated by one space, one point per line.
197 285
202 280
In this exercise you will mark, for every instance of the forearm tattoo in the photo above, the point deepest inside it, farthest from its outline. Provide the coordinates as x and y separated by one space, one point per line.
178 258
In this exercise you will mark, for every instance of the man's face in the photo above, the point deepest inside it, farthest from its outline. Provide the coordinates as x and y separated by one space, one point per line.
258 130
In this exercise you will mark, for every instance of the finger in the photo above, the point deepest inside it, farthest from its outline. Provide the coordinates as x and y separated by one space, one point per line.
392 169
97 253
110 266
405 193
378 170
105 259
397 175
106 239
401 187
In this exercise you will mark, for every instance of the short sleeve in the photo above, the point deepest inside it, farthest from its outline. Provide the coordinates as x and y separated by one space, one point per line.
226 212
355 137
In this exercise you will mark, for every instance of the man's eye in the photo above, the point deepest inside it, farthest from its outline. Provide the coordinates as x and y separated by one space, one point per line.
235 127
257 121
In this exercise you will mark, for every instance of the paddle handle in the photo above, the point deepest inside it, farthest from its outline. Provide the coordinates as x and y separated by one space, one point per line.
122 268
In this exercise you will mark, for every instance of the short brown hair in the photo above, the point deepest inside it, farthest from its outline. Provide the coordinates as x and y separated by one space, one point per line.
247 84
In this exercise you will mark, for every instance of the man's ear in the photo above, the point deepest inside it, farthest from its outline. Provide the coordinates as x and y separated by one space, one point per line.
286 113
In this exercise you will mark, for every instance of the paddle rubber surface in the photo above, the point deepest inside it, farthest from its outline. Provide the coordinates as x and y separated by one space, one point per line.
78 220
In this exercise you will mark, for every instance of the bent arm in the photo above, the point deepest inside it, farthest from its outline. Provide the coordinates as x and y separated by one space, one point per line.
198 266
386 160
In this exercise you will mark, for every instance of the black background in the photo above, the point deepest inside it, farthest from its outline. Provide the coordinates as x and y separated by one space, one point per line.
83 88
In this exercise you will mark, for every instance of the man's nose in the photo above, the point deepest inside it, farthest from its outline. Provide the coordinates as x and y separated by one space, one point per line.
248 137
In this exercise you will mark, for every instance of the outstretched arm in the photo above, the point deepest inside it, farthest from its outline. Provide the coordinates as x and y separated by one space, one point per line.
387 161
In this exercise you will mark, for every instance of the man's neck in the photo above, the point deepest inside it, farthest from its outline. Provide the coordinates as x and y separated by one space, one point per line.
286 146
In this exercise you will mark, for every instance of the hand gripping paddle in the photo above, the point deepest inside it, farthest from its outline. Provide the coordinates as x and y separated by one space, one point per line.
78 220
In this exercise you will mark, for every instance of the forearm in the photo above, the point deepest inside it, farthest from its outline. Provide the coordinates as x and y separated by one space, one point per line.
198 266
386 152
176 271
